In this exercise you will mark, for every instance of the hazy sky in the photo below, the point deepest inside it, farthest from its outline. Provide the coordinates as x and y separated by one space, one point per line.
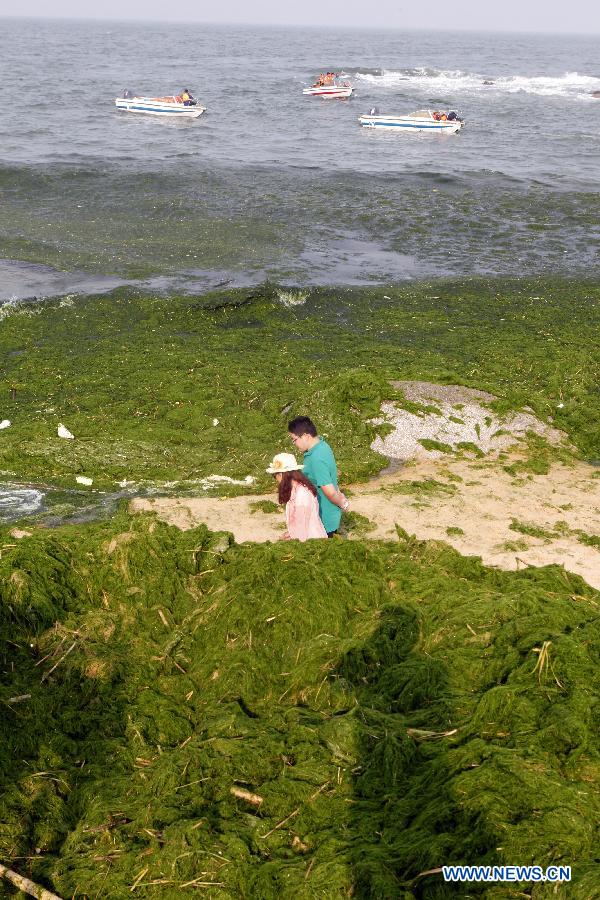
579 16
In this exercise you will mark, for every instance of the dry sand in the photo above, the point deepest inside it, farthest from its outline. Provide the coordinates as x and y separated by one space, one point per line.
483 499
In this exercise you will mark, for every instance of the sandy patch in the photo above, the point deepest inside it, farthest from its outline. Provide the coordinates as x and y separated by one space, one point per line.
484 505
233 514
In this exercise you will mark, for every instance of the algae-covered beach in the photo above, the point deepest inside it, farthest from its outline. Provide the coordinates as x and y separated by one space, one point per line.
190 706
140 380
185 713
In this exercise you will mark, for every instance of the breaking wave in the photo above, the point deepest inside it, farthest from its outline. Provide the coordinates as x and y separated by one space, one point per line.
571 85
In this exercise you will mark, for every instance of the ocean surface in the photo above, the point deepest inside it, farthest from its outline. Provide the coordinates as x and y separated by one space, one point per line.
270 184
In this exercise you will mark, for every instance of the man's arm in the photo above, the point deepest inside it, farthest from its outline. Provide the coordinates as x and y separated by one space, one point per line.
335 496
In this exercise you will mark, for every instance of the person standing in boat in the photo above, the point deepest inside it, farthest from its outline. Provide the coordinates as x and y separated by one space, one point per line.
321 470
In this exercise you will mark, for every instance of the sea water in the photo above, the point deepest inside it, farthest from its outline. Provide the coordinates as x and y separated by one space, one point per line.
271 184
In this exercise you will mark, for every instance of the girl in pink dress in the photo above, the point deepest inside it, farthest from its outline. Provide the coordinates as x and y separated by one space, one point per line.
299 496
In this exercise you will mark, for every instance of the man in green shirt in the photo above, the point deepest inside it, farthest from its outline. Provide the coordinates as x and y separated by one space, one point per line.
320 468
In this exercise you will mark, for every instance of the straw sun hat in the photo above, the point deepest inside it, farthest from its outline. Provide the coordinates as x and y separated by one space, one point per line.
283 462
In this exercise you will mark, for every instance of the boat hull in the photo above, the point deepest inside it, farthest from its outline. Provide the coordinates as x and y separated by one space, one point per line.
406 123
152 107
340 92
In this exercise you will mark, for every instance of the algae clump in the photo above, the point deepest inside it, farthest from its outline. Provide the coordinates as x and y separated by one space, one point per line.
290 720
265 506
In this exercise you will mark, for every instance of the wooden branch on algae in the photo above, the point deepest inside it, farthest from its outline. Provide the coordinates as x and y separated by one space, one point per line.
24 884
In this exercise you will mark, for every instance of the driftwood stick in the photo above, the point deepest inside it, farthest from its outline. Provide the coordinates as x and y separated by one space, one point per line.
47 674
279 824
428 872
24 884
248 796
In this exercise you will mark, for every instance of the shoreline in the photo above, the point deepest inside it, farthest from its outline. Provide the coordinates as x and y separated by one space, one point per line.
164 396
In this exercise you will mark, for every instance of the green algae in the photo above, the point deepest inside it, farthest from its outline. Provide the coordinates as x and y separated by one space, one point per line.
515 546
422 489
439 446
470 447
356 524
139 380
264 506
590 540
532 530
393 706
560 529
539 456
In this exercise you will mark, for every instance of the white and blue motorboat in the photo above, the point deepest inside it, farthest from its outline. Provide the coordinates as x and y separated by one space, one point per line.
421 120
160 106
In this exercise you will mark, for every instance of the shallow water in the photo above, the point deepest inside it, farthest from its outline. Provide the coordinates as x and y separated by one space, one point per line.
17 502
346 260
53 506
269 183
23 281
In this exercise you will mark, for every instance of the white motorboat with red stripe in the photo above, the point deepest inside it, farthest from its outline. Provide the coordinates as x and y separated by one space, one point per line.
339 91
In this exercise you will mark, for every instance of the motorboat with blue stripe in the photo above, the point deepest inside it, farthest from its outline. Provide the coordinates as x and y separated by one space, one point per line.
421 120
175 107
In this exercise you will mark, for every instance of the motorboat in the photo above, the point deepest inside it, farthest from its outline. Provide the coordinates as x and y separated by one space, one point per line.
161 106
421 120
334 90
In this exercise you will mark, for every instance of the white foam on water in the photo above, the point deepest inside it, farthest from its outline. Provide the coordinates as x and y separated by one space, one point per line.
292 298
570 85
16 502
15 306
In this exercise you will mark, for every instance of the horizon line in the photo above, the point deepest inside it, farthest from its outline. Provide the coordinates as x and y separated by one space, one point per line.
297 25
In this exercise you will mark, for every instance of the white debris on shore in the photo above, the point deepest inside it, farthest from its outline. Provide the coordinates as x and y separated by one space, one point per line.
5 423
64 432
212 480
462 419
83 479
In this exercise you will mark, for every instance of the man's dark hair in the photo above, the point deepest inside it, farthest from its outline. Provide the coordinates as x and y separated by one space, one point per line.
302 425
